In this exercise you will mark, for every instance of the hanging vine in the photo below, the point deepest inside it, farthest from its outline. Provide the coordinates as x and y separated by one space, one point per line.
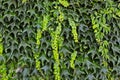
74 32
56 43
73 57
101 28
1 45
43 24
3 72
36 54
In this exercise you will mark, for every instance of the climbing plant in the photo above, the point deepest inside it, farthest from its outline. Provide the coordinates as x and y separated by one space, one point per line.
59 39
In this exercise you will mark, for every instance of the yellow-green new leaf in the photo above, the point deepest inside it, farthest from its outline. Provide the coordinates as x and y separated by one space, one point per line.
73 57
64 3
1 48
23 1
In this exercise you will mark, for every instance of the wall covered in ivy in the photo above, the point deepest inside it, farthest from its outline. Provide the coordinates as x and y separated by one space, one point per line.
59 39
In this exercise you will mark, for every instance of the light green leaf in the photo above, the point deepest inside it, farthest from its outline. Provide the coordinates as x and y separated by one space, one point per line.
64 3
23 1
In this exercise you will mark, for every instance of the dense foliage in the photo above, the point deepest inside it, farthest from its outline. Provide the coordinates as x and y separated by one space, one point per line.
59 39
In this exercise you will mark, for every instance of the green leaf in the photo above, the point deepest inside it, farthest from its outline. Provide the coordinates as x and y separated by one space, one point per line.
45 22
45 68
26 72
118 13
23 1
1 48
95 26
64 3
